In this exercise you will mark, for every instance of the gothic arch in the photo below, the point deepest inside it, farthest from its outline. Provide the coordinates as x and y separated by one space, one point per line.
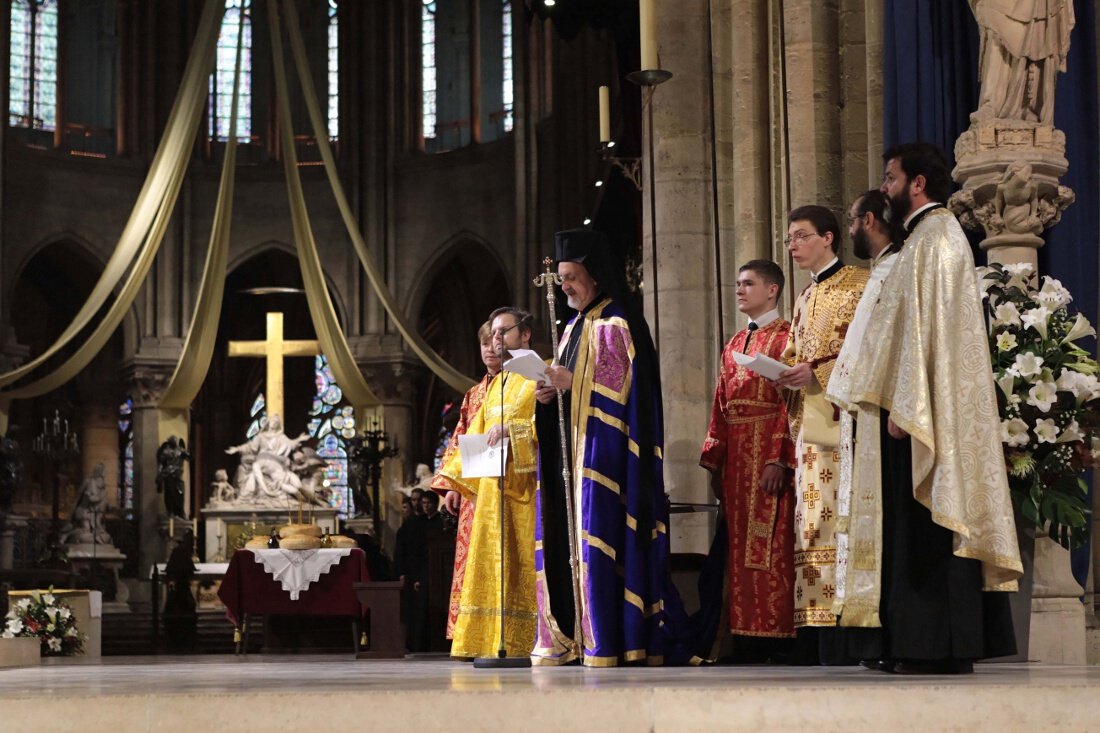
243 258
441 257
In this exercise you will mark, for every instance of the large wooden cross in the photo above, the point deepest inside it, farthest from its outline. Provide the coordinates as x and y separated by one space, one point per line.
273 348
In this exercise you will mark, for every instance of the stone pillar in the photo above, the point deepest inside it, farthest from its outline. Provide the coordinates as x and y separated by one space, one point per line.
147 383
678 258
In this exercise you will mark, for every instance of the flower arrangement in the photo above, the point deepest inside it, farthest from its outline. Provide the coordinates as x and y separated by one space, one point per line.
1049 398
50 619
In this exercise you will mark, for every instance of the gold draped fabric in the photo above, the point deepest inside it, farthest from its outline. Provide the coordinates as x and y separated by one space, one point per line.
144 231
925 359
477 629
198 348
329 333
455 379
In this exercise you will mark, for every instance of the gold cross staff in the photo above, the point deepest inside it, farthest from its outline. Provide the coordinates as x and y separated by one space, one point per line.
273 348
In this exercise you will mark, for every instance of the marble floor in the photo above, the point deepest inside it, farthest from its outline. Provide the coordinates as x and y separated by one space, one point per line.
293 693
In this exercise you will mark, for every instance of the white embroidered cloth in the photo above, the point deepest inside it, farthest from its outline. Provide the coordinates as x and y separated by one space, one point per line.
297 569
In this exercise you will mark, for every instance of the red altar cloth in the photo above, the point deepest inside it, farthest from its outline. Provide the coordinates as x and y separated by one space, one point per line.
248 589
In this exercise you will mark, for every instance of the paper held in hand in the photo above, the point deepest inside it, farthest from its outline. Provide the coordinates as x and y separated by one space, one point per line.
762 364
527 364
479 458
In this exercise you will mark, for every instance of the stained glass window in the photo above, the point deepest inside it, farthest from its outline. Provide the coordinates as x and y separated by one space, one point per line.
221 82
427 67
126 446
332 423
32 65
506 57
333 72
258 413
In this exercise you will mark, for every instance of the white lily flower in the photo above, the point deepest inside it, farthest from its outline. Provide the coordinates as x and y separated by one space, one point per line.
65 613
1046 431
7 635
1043 395
1080 329
1006 314
1014 432
1026 365
1006 382
1052 294
23 604
15 626
1006 342
54 644
1071 433
1018 268
48 599
1037 318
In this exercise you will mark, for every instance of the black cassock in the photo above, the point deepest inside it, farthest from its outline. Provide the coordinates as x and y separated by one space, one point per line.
933 609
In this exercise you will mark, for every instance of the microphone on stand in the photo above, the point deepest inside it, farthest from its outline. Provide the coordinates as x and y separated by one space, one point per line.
502 660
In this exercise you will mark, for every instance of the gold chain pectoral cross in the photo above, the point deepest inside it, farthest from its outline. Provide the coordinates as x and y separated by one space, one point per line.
273 348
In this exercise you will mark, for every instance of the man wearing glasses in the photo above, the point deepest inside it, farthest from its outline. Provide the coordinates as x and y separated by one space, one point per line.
820 321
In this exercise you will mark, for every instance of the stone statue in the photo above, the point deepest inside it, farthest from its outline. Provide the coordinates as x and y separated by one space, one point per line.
86 525
11 472
359 474
307 466
265 476
221 491
423 477
1016 201
170 457
1023 47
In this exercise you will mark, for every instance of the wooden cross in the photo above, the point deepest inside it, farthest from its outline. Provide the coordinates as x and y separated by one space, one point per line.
273 348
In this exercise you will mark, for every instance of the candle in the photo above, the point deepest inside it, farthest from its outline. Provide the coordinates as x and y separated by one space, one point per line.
647 23
605 114
66 426
195 526
171 527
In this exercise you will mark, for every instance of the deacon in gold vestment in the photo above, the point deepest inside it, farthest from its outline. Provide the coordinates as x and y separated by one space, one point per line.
818 326
452 500
477 628
931 529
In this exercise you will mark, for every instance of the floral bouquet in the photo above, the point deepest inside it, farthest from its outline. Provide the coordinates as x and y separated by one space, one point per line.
50 619
1049 398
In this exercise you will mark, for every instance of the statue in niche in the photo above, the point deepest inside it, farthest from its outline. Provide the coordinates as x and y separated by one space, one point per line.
170 457
1017 200
266 476
11 472
1023 47
86 524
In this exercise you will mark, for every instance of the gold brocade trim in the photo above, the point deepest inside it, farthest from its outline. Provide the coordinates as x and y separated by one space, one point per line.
599 478
826 556
655 661
763 634
658 453
634 655
814 617
655 608
538 545
599 544
695 661
594 661
524 455
618 425
859 615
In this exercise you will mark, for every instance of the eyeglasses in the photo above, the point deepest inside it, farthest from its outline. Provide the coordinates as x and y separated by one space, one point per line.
798 238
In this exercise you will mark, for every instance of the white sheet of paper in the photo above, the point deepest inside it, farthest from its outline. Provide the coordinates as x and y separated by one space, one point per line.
479 458
762 364
527 364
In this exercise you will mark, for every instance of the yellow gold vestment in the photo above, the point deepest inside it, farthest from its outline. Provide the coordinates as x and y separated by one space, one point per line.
477 628
820 322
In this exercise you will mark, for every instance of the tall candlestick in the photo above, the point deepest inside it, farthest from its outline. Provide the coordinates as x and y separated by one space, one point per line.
171 527
195 526
605 114
647 23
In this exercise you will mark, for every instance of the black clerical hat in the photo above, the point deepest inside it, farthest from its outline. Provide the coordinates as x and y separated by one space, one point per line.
577 245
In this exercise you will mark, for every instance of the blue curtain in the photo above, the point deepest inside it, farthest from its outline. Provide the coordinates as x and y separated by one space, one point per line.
930 86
